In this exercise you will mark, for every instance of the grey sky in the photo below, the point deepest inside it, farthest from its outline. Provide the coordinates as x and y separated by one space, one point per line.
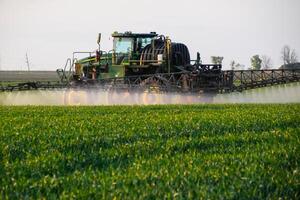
50 30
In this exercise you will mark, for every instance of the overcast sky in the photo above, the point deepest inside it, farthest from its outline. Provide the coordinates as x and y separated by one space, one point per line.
50 30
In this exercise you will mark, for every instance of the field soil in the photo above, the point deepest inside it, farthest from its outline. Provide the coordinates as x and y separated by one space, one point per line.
23 76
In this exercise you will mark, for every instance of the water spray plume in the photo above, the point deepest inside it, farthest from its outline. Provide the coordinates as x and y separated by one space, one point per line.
277 94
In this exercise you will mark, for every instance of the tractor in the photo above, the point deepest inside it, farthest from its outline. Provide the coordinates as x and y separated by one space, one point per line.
142 58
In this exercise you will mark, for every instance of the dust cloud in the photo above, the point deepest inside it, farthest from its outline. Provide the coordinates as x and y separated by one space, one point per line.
289 93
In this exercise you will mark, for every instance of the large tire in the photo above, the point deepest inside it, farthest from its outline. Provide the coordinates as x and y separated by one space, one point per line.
180 55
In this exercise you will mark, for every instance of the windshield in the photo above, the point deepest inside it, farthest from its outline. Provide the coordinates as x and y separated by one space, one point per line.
122 45
144 41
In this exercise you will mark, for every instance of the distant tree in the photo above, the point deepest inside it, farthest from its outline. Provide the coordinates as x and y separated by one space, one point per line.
239 66
266 62
217 60
288 56
256 62
232 64
291 66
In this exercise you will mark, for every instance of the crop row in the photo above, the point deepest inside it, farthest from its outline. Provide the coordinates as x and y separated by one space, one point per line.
136 152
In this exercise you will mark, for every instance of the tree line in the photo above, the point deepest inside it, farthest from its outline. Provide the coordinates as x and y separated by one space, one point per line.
288 56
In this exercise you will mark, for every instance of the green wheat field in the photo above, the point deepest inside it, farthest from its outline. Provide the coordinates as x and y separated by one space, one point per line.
150 152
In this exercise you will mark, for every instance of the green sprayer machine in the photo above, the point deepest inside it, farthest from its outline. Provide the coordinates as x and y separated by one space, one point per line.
149 61
142 61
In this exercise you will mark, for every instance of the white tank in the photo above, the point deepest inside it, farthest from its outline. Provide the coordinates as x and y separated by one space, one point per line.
160 58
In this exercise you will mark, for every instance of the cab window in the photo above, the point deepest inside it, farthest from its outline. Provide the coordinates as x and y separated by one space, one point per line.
122 45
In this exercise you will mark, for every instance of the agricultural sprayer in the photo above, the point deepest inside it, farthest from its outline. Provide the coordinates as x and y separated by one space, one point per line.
149 61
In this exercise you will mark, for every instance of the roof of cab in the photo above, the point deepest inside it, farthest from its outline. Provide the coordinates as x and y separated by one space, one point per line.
137 35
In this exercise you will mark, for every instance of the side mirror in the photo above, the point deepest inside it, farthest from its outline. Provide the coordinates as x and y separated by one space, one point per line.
99 38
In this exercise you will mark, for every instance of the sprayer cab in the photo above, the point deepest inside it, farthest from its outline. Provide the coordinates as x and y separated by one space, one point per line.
131 42
133 54
128 47
148 53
